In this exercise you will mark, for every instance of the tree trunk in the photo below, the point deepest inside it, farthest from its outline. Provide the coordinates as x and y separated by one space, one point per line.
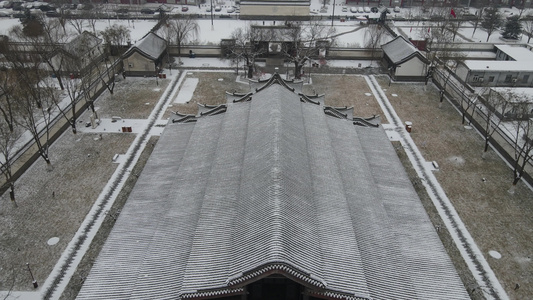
59 81
49 166
179 51
91 106
250 70
512 189
297 70
12 195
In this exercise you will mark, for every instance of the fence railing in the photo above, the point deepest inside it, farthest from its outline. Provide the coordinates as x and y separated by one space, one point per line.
477 117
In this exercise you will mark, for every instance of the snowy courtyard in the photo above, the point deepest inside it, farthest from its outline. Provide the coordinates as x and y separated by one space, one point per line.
61 211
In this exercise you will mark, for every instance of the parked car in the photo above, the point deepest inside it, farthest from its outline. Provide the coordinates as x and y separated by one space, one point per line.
360 10
147 11
4 13
374 9
184 9
17 6
52 13
366 9
396 9
344 9
47 7
353 9
208 9
230 10
218 8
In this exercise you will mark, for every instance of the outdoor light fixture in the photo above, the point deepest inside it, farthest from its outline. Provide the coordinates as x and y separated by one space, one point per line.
35 284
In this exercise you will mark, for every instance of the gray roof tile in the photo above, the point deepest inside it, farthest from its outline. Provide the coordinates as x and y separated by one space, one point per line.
273 184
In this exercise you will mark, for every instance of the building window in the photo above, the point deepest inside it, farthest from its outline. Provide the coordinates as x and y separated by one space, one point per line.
525 78
491 78
508 78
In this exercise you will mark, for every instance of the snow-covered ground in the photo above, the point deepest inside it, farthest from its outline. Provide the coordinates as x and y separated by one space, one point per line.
416 30
211 35
211 32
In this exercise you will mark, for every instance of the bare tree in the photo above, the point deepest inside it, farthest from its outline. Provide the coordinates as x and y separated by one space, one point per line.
304 41
7 102
470 101
47 44
115 38
522 142
85 60
454 26
8 141
527 23
79 24
477 19
491 20
33 95
374 37
441 52
495 109
35 102
181 30
249 43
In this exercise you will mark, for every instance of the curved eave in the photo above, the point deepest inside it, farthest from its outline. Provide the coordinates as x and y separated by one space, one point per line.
284 269
210 294
142 53
276 78
414 54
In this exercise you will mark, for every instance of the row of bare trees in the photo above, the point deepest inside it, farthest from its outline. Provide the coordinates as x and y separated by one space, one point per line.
503 111
496 108
48 73
295 42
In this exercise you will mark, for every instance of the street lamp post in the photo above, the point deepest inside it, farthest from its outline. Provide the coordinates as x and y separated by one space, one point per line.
212 26
35 284
333 14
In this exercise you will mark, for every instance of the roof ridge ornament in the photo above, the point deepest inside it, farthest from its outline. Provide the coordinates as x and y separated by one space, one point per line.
276 78
366 122
286 269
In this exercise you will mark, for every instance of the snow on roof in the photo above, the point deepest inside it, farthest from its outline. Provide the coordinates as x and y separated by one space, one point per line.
518 53
399 50
82 43
273 185
499 65
151 46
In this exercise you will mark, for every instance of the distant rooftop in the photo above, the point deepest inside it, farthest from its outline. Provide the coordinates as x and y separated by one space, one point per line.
150 46
400 50
499 65
518 53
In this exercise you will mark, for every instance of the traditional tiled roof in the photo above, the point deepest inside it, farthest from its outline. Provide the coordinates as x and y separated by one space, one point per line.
82 44
150 46
400 50
273 185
